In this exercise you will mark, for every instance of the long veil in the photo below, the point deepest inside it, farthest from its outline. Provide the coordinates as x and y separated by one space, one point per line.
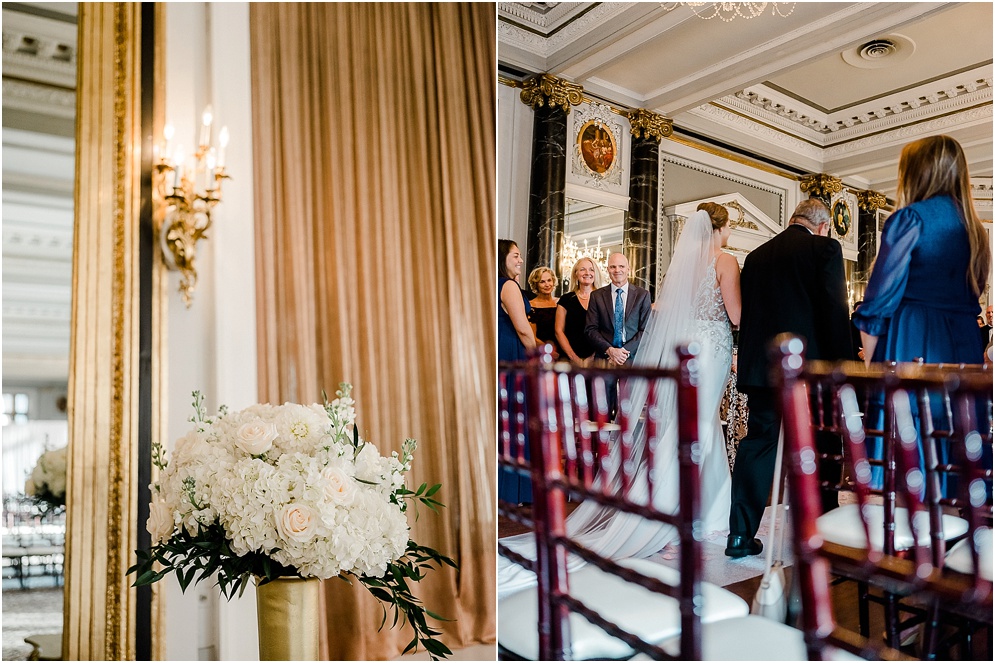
671 322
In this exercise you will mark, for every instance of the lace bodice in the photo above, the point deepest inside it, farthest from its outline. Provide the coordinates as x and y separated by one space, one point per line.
708 304
711 320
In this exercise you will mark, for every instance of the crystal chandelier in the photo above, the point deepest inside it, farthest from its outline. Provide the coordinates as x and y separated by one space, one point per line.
728 11
572 252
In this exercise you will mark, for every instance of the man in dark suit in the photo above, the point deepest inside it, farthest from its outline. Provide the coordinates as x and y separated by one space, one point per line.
793 283
618 302
986 329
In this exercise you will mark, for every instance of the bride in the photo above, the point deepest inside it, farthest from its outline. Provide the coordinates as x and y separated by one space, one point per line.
700 301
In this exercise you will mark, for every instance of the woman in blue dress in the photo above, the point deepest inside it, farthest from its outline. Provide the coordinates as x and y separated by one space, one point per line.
922 299
515 339
921 303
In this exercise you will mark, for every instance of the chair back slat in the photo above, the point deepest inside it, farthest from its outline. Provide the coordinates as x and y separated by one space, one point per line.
577 453
936 430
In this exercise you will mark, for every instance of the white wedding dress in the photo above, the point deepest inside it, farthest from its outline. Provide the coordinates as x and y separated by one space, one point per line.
690 308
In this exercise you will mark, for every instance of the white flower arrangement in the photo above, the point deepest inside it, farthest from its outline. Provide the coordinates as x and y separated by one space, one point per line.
47 483
288 490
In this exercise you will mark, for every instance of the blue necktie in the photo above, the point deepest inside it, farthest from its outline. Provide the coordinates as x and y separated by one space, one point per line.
619 319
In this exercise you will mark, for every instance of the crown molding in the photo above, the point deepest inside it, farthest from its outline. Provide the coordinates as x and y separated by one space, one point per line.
888 112
43 99
40 49
904 134
543 46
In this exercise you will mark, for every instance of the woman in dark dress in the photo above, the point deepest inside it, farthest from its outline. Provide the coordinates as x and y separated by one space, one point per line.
542 281
922 299
921 303
515 339
571 312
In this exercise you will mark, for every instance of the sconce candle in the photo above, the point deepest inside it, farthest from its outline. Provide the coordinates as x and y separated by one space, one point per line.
195 191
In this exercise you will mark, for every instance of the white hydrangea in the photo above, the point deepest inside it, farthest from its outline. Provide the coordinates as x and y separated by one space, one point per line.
48 478
286 481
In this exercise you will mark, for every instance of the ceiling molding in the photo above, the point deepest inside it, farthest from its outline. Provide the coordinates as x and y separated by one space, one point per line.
543 46
904 134
36 98
37 48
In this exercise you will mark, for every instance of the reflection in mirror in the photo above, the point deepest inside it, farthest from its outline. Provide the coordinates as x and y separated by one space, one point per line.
39 107
590 230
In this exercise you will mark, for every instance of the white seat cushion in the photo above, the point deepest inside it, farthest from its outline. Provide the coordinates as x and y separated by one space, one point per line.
651 616
959 557
752 638
843 526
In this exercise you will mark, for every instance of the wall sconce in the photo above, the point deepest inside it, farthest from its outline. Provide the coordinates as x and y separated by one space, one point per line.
190 188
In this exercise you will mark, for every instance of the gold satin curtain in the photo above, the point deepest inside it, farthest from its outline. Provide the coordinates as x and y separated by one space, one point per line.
374 177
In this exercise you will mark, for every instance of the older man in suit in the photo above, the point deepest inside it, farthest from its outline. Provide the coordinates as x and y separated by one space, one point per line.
793 283
616 318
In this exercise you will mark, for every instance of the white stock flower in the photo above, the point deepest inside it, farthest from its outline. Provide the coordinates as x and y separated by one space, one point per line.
256 437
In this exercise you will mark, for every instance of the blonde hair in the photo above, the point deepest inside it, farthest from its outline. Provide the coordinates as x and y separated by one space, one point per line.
537 274
936 166
717 213
575 283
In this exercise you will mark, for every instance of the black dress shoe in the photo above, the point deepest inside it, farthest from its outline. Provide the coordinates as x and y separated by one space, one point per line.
741 546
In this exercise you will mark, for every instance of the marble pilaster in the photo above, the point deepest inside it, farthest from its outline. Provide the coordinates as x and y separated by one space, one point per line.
639 232
868 203
550 99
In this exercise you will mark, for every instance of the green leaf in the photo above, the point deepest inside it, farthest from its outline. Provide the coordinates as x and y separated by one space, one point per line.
433 490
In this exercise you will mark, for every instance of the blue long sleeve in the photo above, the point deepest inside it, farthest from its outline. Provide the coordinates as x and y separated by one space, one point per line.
891 272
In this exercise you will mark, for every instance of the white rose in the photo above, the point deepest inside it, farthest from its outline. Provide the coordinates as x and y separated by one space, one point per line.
296 522
160 523
255 437
339 486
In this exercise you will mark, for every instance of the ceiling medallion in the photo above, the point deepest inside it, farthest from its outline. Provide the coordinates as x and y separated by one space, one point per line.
880 52
728 11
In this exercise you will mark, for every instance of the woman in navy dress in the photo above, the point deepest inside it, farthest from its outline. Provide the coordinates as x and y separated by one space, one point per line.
921 303
515 339
922 298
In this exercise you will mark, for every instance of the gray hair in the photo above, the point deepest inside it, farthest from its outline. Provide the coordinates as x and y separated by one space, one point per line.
811 213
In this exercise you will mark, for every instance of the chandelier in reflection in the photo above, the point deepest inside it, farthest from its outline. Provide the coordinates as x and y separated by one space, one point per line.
728 11
572 252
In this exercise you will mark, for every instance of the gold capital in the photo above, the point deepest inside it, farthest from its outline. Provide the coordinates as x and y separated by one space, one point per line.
821 185
545 89
871 200
649 124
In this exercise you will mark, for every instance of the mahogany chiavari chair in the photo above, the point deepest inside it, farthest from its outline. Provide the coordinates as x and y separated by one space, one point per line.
615 609
909 530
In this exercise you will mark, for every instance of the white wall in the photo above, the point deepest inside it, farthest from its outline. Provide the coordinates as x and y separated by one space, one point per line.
514 151
212 345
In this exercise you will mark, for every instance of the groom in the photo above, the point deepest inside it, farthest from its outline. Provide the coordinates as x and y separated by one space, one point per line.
616 318
793 283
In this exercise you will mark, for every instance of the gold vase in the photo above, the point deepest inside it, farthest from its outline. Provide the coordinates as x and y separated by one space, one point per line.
287 613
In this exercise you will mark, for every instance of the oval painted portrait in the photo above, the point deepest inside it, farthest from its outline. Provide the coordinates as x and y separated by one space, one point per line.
841 218
597 147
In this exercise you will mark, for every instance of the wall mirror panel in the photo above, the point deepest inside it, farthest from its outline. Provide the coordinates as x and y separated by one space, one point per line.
589 229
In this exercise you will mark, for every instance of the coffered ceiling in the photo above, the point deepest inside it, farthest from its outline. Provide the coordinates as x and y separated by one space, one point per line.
832 87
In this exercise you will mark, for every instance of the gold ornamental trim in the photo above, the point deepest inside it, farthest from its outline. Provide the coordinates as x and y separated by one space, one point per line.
821 185
548 90
870 201
740 221
646 123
